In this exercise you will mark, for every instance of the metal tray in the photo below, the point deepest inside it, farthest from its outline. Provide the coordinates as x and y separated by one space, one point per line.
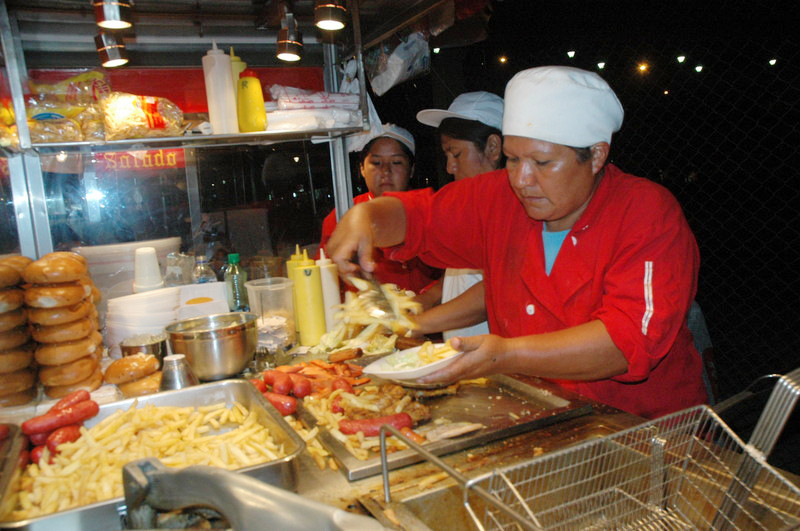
110 514
505 407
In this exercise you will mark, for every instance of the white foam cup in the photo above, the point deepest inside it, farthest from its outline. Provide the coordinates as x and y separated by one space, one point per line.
146 273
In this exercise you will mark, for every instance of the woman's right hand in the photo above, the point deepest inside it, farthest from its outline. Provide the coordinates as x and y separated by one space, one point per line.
353 236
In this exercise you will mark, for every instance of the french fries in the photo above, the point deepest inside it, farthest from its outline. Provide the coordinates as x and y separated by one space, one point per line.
89 469
428 353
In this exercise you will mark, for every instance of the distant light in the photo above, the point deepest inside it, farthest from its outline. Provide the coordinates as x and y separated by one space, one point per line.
62 156
296 159
681 58
772 62
503 59
666 92
698 68
643 67
571 54
601 66
437 50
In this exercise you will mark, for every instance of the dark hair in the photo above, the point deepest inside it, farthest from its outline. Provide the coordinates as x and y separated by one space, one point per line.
583 154
362 155
472 131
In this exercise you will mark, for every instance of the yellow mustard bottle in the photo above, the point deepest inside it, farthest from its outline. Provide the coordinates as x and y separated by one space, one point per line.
310 310
237 67
250 103
291 264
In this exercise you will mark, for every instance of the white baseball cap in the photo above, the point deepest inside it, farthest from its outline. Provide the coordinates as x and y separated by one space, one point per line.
562 105
483 107
401 135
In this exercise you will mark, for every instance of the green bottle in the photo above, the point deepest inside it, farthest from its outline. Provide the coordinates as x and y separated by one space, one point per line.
235 277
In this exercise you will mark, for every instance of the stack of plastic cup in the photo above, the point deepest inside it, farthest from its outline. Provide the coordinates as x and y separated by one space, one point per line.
146 272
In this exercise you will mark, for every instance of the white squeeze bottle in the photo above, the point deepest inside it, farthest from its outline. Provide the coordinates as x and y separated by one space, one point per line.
331 296
219 92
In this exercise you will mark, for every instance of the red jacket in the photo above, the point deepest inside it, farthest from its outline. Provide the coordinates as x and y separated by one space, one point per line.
412 274
631 261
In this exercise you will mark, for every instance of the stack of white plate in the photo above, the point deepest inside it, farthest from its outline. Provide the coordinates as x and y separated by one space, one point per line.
142 313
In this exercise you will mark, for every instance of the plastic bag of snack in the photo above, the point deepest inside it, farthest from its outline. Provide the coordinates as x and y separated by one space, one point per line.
86 87
92 126
59 130
8 136
130 116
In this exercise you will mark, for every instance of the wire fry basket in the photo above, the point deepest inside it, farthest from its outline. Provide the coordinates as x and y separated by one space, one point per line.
687 470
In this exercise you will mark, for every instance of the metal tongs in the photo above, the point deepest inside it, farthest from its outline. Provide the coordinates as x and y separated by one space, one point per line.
373 296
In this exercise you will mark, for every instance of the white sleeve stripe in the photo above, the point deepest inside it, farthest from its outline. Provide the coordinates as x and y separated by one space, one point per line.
648 296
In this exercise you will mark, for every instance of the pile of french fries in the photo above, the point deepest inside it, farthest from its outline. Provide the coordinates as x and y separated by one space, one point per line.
359 445
90 469
358 329
429 353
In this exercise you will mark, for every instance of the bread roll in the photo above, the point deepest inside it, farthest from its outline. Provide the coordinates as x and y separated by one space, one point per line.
91 383
56 267
54 295
143 386
8 276
131 368
69 373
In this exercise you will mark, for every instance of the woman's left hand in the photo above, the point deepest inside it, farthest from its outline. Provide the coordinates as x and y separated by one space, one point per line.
483 356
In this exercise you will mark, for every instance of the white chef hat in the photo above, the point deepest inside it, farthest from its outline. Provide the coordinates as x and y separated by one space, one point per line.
562 105
480 106
401 135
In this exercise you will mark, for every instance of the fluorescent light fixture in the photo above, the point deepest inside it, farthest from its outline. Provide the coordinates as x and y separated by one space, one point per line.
330 15
111 49
113 14
772 62
681 58
698 68
571 54
601 65
437 50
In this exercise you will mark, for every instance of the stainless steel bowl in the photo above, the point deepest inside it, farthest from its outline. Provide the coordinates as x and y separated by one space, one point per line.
156 348
216 346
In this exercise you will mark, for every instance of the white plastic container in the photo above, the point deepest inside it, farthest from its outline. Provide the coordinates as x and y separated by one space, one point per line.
331 296
220 95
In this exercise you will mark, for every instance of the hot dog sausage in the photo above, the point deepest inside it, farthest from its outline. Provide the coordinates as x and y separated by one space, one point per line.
286 405
62 435
259 384
372 427
39 438
71 399
301 386
50 421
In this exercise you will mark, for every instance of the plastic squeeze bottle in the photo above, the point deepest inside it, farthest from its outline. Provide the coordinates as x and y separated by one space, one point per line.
291 264
237 67
331 296
309 310
219 92
250 103
235 277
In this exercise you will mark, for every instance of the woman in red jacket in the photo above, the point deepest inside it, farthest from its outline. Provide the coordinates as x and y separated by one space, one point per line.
386 164
589 272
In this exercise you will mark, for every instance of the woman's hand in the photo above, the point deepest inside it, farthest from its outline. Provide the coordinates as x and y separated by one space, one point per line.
353 236
483 356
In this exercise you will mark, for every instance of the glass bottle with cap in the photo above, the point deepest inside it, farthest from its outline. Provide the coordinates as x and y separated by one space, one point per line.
202 272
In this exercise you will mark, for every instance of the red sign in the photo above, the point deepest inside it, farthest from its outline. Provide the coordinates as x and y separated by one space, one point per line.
154 159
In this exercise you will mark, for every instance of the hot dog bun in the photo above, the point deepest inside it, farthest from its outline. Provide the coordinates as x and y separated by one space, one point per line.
55 267
68 373
60 315
19 398
14 382
8 276
14 338
131 368
63 332
90 384
54 295
13 319
143 386
61 353
16 359
11 299
16 261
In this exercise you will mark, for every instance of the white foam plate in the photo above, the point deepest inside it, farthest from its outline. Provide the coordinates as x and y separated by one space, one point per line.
383 368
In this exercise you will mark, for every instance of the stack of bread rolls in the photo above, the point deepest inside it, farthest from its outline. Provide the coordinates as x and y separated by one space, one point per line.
17 369
61 298
135 375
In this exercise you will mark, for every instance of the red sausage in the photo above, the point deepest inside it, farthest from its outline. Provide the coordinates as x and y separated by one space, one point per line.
269 376
70 415
372 427
301 386
4 431
282 383
260 385
36 453
336 404
286 405
71 399
341 383
62 435
39 438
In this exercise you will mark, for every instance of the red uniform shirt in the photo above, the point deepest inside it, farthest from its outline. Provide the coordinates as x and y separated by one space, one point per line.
412 274
631 261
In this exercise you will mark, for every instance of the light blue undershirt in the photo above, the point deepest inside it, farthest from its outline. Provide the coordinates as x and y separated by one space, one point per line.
552 244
